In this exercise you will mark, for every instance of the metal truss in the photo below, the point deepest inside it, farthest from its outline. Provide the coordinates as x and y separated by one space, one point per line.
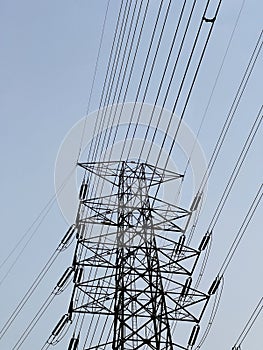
134 265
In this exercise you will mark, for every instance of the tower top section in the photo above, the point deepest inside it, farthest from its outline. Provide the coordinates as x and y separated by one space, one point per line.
112 170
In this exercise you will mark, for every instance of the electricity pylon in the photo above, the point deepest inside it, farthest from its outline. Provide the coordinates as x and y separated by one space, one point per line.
133 266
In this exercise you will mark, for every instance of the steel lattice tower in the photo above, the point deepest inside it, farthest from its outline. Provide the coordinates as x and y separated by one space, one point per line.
135 266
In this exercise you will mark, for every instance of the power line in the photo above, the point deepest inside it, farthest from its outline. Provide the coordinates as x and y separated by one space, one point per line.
106 139
38 222
124 28
108 75
231 114
236 170
93 80
215 83
241 231
225 129
64 243
249 325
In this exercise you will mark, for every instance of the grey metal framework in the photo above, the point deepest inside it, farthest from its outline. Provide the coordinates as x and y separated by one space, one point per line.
134 265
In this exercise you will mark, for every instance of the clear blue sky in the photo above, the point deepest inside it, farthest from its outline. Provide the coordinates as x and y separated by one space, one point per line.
48 53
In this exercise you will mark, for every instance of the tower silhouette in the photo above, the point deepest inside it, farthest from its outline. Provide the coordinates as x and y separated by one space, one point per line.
133 267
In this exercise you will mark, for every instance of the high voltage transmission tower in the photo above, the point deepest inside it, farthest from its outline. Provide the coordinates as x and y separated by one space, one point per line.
134 266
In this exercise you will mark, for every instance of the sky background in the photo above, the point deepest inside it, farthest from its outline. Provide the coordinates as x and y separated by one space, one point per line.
48 54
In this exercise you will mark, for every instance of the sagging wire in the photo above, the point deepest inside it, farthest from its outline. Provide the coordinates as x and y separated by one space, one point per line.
248 325
39 220
222 271
241 231
119 23
65 242
93 81
215 82
250 138
231 114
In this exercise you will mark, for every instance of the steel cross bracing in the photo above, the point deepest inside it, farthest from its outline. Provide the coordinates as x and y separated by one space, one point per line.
134 265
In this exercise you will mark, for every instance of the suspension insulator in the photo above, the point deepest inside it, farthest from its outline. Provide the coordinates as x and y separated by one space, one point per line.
204 242
60 326
196 202
81 231
69 234
214 286
186 287
73 344
180 244
83 191
65 277
194 335
70 309
78 275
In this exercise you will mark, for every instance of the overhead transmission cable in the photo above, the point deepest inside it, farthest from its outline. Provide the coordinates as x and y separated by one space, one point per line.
201 57
93 80
101 115
249 325
33 322
162 79
28 294
244 83
181 87
241 89
230 116
241 231
41 217
112 56
67 239
166 67
62 245
236 169
111 120
225 264
167 11
37 221
215 84
151 41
